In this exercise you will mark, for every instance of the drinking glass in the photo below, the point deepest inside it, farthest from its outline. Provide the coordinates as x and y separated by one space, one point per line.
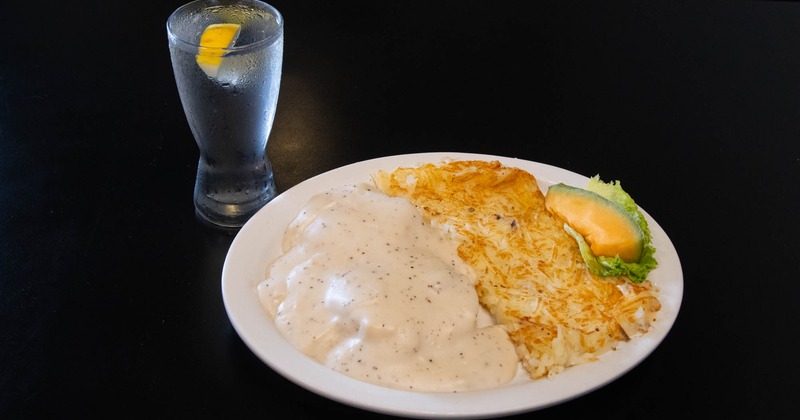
229 95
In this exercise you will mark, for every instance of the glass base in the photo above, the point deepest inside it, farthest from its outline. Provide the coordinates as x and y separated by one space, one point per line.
236 210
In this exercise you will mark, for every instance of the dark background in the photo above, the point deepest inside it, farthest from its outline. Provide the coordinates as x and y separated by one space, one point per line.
110 301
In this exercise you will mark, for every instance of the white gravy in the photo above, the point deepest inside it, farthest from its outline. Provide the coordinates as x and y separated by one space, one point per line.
369 289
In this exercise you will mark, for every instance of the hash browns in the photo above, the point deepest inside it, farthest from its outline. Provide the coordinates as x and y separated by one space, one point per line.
530 274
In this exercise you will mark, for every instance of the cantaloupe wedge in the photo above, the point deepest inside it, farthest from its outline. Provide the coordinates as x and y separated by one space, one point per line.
605 225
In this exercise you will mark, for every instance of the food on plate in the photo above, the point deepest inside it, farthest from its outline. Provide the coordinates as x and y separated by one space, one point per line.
605 225
611 231
366 287
530 273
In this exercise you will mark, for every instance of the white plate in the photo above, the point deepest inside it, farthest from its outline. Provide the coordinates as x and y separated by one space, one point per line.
259 242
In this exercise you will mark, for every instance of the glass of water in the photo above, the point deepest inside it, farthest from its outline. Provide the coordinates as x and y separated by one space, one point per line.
227 58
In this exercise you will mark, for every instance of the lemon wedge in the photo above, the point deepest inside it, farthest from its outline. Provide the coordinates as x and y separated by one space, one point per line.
215 38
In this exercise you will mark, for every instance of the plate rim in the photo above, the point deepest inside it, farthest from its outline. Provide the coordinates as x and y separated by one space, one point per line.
290 363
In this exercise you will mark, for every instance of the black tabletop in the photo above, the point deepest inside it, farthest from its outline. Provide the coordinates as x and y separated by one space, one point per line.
110 296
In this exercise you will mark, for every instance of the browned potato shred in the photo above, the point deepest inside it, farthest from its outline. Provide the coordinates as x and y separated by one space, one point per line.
530 274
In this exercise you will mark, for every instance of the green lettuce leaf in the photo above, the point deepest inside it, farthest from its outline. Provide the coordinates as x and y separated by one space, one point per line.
614 266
